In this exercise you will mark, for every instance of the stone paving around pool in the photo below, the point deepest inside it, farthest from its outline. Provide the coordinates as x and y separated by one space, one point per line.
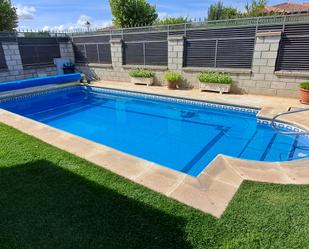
214 188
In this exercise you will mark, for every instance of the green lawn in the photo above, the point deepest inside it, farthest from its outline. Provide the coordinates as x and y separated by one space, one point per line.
52 199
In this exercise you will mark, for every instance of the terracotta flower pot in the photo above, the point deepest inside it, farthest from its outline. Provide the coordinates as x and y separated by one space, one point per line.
304 96
172 85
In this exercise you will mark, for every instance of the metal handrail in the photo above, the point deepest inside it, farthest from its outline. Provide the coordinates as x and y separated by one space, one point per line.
288 132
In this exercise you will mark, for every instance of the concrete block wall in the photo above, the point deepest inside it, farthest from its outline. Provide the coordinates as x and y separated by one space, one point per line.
261 79
15 69
175 53
66 51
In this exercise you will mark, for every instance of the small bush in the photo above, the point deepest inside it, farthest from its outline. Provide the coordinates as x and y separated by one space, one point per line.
215 77
141 73
304 85
172 76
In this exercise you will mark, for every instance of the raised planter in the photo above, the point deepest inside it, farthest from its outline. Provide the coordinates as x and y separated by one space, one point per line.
304 96
142 81
215 87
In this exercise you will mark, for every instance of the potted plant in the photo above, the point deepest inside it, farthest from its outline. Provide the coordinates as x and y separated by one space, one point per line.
215 81
142 76
172 79
304 92
68 68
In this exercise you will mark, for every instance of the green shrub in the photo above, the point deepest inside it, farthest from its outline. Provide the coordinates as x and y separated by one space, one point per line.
215 77
172 76
141 73
304 85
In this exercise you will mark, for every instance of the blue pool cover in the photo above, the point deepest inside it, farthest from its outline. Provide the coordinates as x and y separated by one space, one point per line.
181 135
41 81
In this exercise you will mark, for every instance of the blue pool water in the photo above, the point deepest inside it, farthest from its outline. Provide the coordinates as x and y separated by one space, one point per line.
181 136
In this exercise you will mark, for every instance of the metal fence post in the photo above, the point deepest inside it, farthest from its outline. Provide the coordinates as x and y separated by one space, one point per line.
257 25
98 54
216 52
85 52
283 25
144 53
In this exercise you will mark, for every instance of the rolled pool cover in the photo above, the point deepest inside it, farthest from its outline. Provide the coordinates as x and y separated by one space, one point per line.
41 81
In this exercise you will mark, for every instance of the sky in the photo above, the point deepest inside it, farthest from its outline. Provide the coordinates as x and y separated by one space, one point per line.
72 14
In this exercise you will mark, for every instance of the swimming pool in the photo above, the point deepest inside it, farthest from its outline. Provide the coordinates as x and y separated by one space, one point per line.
180 134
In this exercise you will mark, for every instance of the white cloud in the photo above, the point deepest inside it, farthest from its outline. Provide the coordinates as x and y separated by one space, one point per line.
79 24
25 12
82 20
162 15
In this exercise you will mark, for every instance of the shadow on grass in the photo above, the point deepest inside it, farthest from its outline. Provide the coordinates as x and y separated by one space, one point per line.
45 206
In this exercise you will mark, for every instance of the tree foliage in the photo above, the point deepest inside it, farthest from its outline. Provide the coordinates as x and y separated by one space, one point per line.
172 20
255 8
131 13
218 11
8 16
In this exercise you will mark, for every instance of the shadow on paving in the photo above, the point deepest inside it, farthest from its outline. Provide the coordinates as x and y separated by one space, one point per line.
45 206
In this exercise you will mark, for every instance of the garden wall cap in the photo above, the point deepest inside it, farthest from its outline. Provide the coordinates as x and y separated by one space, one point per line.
175 37
116 40
269 33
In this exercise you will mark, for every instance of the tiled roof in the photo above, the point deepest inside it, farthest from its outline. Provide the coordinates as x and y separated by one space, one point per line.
287 8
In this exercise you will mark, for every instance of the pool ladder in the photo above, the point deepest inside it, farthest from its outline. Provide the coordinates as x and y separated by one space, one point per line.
288 132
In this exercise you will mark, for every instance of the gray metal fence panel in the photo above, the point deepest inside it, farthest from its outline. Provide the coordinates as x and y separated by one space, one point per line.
133 54
39 54
221 33
293 52
80 53
104 51
38 41
200 53
92 53
235 53
149 36
3 64
156 53
92 49
92 39
226 47
145 53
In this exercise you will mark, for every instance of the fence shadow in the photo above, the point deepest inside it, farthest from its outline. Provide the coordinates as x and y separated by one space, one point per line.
45 206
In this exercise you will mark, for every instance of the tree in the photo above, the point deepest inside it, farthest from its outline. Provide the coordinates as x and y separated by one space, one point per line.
172 20
131 13
219 12
255 8
8 16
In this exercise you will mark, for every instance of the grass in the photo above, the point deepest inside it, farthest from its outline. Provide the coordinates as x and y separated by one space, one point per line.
52 199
